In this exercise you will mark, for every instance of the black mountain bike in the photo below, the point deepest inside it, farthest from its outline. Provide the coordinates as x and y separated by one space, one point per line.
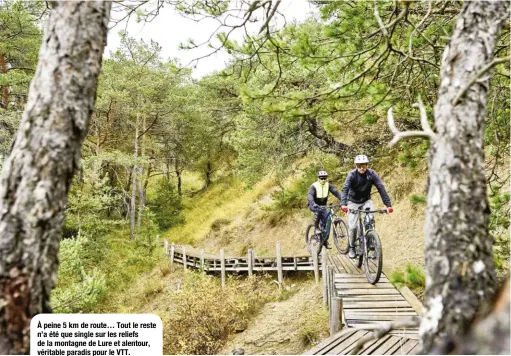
315 238
368 245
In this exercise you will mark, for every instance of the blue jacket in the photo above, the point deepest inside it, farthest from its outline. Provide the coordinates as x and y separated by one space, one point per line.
357 188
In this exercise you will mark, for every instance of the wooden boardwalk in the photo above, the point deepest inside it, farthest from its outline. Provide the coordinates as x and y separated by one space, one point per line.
250 263
366 306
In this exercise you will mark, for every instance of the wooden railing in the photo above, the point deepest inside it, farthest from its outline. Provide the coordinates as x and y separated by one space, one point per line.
250 263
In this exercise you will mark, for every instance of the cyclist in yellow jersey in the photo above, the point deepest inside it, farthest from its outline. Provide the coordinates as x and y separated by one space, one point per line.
318 197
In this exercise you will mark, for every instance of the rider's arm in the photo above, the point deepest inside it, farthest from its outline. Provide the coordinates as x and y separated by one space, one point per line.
346 189
381 189
334 191
310 197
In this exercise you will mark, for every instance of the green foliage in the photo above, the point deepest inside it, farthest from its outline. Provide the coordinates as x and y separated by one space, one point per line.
499 229
416 199
78 290
204 314
413 277
166 205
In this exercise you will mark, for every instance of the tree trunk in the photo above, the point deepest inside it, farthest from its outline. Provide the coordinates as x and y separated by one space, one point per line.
208 173
5 89
35 179
459 258
178 175
141 195
134 184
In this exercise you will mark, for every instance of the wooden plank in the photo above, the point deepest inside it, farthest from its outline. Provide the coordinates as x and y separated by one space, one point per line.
351 262
172 251
250 262
386 346
339 349
222 266
279 266
345 293
403 347
367 350
412 300
184 258
355 277
335 315
364 286
348 267
373 310
316 263
361 314
325 347
414 350
374 305
391 297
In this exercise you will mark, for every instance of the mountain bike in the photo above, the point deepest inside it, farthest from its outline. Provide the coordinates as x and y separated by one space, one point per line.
316 238
368 245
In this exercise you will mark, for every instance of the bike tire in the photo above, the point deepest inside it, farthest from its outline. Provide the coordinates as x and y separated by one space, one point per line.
360 257
311 239
373 266
341 239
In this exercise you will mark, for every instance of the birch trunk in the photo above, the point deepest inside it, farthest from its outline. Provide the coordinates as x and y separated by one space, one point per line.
460 275
35 179
134 183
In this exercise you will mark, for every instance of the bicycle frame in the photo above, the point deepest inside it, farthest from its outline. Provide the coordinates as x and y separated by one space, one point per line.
328 223
361 228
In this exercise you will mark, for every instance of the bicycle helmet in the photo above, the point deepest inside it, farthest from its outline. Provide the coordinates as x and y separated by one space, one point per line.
322 174
361 159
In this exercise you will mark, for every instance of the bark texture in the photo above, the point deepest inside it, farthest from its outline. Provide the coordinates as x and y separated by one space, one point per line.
36 177
460 275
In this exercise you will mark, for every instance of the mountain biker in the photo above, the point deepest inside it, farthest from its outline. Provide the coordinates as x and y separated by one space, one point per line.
317 198
356 191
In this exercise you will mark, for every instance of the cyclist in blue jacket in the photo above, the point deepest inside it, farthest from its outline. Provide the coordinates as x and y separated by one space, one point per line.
318 197
356 194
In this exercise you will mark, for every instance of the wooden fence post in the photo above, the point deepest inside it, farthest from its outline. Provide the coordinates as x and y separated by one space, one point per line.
331 285
315 262
202 260
184 258
222 264
335 316
250 262
165 245
324 276
279 267
172 250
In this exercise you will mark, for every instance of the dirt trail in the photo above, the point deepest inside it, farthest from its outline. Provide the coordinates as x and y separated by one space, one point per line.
276 329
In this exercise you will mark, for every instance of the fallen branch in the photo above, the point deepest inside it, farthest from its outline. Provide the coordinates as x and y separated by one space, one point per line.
426 129
384 329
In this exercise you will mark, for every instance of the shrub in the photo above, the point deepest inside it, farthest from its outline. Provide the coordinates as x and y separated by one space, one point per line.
417 199
166 206
77 291
204 314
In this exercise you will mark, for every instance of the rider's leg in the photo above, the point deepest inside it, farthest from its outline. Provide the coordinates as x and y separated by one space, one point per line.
352 223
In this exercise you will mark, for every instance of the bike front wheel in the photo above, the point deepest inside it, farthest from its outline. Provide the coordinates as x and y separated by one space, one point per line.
341 239
373 257
312 240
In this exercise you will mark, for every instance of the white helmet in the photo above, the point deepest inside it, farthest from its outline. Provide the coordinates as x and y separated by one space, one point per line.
361 159
322 173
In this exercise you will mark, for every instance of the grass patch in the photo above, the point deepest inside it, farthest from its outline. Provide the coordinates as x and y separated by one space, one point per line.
213 208
314 324
413 277
417 199
204 315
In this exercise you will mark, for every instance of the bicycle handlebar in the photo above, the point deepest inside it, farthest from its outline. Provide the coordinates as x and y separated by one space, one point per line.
381 211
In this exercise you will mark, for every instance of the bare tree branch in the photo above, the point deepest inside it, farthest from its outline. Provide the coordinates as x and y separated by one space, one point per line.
427 131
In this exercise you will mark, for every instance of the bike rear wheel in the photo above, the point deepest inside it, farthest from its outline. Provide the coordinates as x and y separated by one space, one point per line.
313 240
341 239
373 257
